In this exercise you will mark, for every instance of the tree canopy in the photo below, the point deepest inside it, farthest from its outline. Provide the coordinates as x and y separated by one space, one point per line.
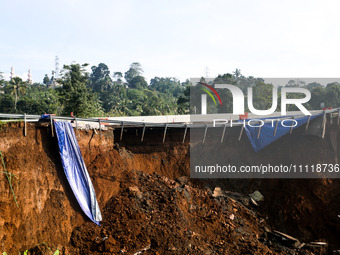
91 92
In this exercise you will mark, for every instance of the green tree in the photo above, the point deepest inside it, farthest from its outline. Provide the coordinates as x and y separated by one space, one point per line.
6 103
318 96
118 76
138 82
2 79
46 79
313 85
225 94
100 78
135 70
168 85
262 96
183 102
16 87
332 95
296 83
115 100
76 94
237 73
38 100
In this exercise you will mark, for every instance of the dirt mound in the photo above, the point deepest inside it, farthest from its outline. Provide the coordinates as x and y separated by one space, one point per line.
156 215
159 214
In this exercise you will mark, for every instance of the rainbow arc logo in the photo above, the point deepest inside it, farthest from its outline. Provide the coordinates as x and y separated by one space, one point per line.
208 92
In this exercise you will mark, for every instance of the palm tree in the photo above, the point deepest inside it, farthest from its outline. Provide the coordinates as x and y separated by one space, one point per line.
16 87
237 73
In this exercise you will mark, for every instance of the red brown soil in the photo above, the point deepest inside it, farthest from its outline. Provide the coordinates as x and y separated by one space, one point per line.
172 217
48 211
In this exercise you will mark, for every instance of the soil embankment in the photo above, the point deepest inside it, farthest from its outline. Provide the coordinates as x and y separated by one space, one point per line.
48 211
144 207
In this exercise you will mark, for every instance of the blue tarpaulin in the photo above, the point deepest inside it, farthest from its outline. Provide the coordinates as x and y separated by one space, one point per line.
76 172
267 131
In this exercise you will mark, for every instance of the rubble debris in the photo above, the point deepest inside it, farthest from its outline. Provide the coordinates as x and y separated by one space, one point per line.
267 229
319 243
178 220
135 192
257 196
285 239
182 180
301 245
218 192
317 247
253 202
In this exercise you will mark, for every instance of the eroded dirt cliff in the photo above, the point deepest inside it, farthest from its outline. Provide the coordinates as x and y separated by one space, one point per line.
149 203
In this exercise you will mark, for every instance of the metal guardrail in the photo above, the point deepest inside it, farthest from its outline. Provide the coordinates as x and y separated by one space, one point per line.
30 118
122 124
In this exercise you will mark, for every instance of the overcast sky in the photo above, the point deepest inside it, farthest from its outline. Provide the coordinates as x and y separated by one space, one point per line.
173 38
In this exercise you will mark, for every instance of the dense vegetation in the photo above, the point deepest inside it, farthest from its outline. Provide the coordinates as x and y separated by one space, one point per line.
101 93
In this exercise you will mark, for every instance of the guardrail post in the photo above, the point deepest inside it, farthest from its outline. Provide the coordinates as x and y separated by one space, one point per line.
239 137
324 125
143 132
258 133
100 129
308 122
205 132
51 117
166 126
331 121
291 128
225 126
121 131
185 133
25 130
77 126
277 123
